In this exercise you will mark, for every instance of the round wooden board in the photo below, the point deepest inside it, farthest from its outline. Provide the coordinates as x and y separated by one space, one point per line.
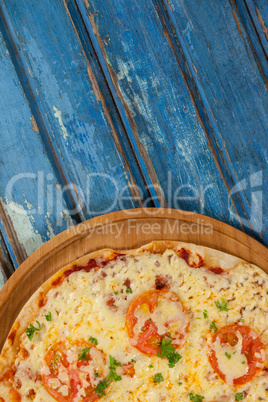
120 230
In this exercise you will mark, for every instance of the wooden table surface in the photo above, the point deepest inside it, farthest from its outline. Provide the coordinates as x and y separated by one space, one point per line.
114 104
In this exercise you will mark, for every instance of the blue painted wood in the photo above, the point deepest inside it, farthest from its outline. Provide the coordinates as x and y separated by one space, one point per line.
69 108
258 10
160 93
234 87
30 214
125 130
250 18
6 265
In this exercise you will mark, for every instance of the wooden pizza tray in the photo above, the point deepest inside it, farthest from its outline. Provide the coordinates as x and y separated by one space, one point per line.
120 230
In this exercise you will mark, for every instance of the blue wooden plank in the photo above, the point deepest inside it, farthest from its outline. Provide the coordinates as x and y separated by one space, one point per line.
258 10
6 265
251 19
126 131
69 108
165 106
32 208
234 88
261 7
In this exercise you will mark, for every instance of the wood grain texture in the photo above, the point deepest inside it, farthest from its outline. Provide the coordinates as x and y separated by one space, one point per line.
121 230
6 265
75 126
258 10
146 73
234 86
118 112
29 214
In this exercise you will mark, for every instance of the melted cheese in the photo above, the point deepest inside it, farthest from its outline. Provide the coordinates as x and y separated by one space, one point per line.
79 309
168 316
231 361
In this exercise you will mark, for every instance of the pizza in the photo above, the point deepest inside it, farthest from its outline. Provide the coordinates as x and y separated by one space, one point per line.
169 321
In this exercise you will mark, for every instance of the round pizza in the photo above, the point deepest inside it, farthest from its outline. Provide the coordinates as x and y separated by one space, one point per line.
169 321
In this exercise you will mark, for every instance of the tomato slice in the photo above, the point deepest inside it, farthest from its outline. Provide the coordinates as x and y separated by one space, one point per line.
66 376
236 354
154 315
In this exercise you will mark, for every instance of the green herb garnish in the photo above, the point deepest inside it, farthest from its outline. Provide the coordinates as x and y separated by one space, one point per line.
102 385
227 355
133 361
96 374
114 363
116 293
48 316
239 396
165 349
158 377
112 375
179 383
213 326
222 306
31 330
83 355
205 314
93 340
128 290
195 398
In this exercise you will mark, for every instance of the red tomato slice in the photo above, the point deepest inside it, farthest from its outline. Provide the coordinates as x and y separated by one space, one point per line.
154 315
252 348
64 374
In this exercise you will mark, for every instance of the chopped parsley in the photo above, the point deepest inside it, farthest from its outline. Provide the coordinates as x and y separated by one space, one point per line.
133 361
213 326
114 363
151 366
243 362
128 290
165 349
239 396
205 314
102 385
83 355
195 398
116 293
48 316
180 383
31 330
228 355
242 320
112 376
158 377
93 340
222 306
